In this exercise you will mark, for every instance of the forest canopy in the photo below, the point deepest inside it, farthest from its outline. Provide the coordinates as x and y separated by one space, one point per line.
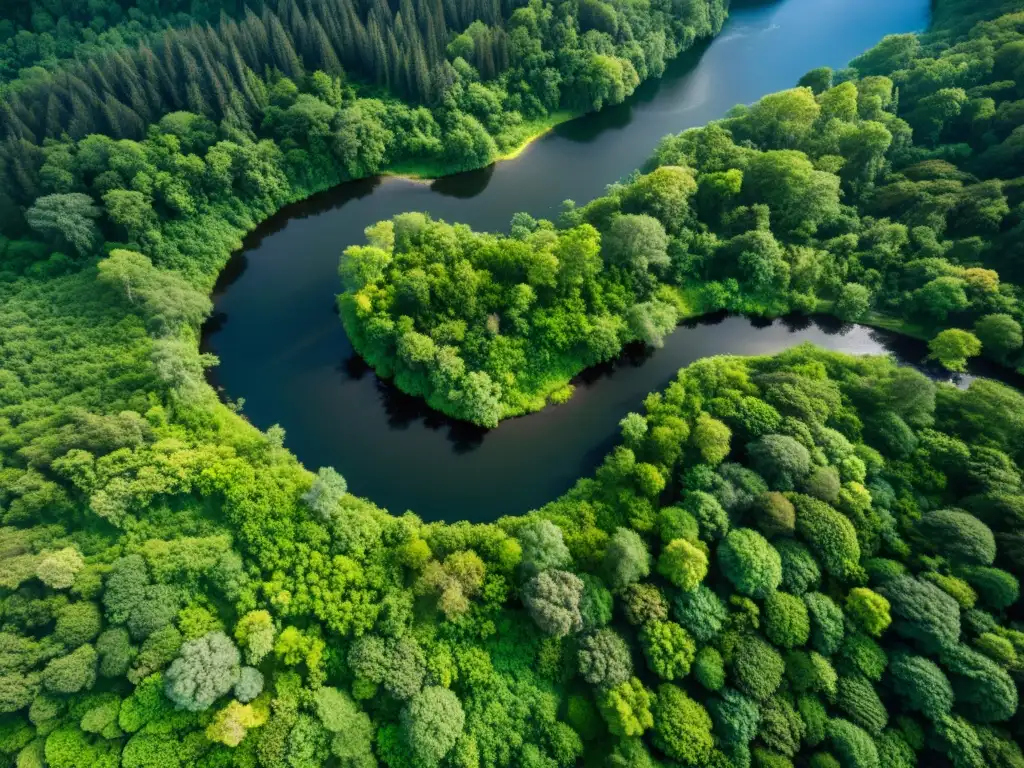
889 192
801 560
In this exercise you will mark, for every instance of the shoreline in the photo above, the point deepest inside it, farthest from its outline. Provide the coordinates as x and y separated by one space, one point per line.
428 171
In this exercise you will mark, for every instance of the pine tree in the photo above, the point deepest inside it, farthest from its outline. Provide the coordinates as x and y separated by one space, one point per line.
285 57
322 50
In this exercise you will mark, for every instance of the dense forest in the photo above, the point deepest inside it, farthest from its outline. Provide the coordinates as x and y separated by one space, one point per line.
804 560
232 120
891 191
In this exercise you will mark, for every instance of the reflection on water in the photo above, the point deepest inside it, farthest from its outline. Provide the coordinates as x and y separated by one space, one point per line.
283 350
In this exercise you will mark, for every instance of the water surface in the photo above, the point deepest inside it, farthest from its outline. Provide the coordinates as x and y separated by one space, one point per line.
283 349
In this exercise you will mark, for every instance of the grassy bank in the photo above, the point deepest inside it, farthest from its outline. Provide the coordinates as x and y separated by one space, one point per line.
521 139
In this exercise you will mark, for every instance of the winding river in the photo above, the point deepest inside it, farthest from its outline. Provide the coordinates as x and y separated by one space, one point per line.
283 349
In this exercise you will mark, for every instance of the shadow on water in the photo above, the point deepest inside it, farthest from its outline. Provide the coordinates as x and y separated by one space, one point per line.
464 185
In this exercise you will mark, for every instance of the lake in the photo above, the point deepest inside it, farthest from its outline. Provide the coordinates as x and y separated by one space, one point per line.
283 349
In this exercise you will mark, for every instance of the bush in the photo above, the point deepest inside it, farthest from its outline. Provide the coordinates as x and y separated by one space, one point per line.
956 588
781 728
709 514
736 717
543 547
626 560
642 603
800 572
774 514
852 745
709 668
922 613
858 700
701 612
72 673
996 588
750 563
677 523
115 651
682 727
78 623
830 536
596 603
604 659
431 724
815 719
249 685
669 649
683 564
780 460
756 668
553 599
921 685
827 627
626 709
206 670
860 655
982 689
894 752
958 536
810 672
787 623
869 610
824 484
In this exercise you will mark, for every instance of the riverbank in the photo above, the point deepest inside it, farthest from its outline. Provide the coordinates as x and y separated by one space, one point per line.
531 130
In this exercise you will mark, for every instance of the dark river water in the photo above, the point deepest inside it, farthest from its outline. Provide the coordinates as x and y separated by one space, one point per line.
283 349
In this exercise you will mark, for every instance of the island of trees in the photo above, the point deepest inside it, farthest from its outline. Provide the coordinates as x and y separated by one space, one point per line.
889 192
800 561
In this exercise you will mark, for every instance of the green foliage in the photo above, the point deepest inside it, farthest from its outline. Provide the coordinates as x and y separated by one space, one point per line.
626 708
72 673
787 623
543 547
709 668
604 659
852 746
626 559
800 571
781 460
682 727
827 628
701 612
829 534
669 649
958 536
431 724
869 610
642 603
922 613
683 564
996 588
860 703
756 667
953 347
736 717
982 688
750 562
885 192
921 684
553 599
78 623
205 670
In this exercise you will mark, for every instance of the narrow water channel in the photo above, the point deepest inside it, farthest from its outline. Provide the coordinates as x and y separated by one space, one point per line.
283 349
